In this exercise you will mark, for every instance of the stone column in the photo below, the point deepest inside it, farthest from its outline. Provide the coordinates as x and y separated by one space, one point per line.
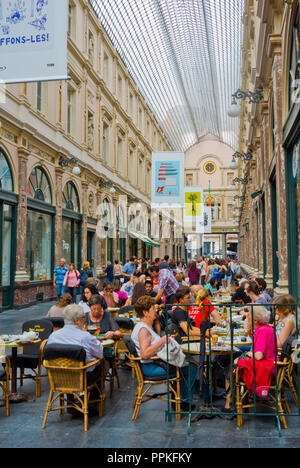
283 284
21 274
58 247
265 152
84 187
99 240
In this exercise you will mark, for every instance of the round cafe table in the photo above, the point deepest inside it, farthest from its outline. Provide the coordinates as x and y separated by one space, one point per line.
194 348
105 342
16 396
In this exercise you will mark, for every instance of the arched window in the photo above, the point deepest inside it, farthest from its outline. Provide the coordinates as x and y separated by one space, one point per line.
71 198
38 186
294 67
6 181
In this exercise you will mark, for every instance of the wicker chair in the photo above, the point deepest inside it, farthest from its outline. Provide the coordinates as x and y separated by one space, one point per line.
32 357
126 326
143 396
244 398
4 384
68 375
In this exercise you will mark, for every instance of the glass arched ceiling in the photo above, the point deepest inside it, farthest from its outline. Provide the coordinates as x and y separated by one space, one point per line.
185 57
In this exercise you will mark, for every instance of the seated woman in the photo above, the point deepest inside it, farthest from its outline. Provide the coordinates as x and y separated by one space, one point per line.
256 298
109 329
239 295
212 286
148 343
204 310
263 339
89 291
110 296
262 285
122 294
285 318
57 310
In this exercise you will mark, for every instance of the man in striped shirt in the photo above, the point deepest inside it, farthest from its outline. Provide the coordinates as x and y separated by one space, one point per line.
167 284
59 276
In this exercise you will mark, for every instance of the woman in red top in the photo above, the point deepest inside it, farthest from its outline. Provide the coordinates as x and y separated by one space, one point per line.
203 309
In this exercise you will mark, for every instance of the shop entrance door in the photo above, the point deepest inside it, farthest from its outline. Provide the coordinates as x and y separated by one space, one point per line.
7 253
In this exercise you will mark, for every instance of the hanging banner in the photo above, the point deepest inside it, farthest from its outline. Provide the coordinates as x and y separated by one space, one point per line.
193 204
203 225
33 40
168 179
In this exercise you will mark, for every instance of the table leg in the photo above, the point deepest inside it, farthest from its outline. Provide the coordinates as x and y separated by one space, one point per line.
15 396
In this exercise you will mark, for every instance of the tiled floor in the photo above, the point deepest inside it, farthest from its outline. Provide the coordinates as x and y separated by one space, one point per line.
116 430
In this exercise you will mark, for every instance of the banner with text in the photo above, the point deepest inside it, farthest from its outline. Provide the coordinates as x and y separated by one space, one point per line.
168 179
193 204
33 40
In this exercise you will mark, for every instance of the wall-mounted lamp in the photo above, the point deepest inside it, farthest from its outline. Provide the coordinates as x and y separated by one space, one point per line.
245 156
242 181
254 98
256 194
65 162
103 185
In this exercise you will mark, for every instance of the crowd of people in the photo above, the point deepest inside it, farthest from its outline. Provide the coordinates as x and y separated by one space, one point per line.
169 295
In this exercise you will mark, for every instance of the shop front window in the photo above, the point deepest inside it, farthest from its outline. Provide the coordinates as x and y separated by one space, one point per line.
38 186
6 182
39 245
71 198
7 244
67 240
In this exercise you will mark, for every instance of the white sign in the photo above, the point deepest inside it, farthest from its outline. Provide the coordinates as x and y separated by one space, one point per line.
167 179
203 226
33 40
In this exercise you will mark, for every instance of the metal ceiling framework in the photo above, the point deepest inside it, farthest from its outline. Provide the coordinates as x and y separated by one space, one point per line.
185 57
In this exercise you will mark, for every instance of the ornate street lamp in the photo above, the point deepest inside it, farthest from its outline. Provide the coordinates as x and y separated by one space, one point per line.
245 156
242 181
65 162
105 184
254 98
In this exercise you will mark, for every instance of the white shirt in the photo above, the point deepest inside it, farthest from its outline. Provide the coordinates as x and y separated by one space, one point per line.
73 335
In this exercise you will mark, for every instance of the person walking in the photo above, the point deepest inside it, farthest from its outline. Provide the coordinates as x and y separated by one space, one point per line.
72 280
85 273
59 276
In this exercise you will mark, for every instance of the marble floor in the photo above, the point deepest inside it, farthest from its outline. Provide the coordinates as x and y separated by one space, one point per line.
115 429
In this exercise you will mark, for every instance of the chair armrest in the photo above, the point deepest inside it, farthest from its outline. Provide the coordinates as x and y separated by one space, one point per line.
41 352
91 364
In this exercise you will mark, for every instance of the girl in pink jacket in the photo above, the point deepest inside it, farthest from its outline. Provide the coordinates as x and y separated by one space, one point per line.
72 281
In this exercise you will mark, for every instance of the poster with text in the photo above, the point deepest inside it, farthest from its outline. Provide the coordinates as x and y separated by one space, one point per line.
193 204
33 40
168 179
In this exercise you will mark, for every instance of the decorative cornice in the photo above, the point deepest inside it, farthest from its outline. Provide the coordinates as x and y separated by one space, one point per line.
274 45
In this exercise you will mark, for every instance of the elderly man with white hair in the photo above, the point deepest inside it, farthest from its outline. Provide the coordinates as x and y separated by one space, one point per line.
73 334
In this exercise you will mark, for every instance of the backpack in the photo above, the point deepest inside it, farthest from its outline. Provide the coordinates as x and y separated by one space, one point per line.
216 273
84 277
